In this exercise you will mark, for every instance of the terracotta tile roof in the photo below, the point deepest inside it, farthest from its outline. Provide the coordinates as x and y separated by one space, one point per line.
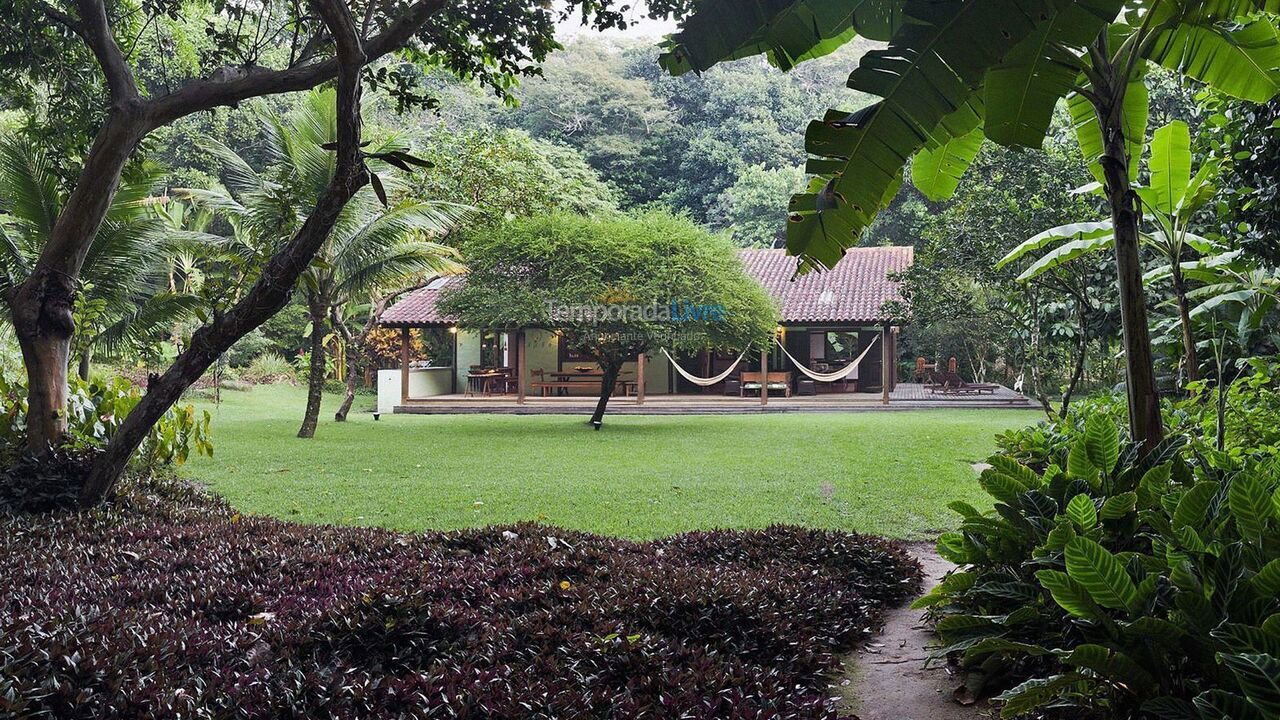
419 307
852 291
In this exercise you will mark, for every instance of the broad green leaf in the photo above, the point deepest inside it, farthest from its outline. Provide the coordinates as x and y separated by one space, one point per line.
1267 581
1102 439
1112 665
1064 254
1081 231
1101 573
1069 594
1250 504
1195 504
1241 638
925 77
1222 705
936 172
1022 91
1243 62
1082 511
1170 164
1259 677
1034 693
1078 463
954 628
1001 486
1117 506
787 32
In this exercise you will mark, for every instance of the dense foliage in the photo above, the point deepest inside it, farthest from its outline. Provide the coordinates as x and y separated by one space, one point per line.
1123 584
95 411
171 604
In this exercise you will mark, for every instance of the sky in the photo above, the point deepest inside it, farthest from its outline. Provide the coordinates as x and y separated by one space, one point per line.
640 27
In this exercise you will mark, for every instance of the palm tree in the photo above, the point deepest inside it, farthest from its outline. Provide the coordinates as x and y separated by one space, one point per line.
122 302
955 72
375 246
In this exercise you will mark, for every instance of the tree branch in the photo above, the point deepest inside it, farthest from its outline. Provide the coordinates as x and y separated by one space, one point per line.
205 94
97 33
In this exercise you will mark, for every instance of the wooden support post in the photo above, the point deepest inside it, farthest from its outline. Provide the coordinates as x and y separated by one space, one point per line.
640 363
886 361
764 377
404 366
520 366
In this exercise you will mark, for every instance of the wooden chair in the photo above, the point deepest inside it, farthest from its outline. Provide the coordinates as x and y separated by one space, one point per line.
951 365
923 370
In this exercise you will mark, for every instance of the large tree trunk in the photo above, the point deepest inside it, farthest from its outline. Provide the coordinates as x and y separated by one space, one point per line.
315 374
271 291
1190 361
351 348
607 383
1144 400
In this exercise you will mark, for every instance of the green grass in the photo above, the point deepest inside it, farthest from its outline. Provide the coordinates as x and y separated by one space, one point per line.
889 473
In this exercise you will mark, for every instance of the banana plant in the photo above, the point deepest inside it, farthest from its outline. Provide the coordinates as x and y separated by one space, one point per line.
955 72
1232 285
1170 201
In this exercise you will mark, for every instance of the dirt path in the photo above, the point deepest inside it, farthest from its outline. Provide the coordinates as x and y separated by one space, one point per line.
886 679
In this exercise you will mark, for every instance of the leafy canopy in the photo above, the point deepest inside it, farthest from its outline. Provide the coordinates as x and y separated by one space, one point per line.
525 272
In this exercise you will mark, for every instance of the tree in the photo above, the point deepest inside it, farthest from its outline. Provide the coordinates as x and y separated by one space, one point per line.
123 302
613 288
372 248
1172 198
954 72
304 46
754 207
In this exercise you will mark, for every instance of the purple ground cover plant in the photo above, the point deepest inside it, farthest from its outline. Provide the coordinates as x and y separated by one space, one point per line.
170 604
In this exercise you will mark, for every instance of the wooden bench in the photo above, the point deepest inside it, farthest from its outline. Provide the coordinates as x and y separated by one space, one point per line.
780 380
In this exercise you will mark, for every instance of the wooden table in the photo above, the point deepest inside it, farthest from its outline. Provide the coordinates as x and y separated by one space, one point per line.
483 381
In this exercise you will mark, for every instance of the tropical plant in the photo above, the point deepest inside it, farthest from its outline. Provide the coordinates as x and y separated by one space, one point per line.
375 244
1171 199
122 304
954 72
1121 582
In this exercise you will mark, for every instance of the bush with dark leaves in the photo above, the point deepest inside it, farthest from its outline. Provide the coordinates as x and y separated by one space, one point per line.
169 604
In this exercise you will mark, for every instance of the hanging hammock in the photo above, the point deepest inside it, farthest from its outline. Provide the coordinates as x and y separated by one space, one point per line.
703 382
831 376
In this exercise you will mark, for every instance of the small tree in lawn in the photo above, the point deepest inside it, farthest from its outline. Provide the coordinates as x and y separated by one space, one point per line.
613 288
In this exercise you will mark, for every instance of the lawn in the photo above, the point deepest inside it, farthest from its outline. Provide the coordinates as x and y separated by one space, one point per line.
889 473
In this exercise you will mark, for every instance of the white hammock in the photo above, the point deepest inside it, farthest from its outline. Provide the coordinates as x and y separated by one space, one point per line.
703 382
831 376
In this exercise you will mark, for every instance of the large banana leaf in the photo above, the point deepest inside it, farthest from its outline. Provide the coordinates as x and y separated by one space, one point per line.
1081 231
1170 166
926 76
1022 91
1064 254
1089 134
786 31
936 172
1243 62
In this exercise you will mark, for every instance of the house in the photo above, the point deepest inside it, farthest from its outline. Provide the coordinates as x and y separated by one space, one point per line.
828 319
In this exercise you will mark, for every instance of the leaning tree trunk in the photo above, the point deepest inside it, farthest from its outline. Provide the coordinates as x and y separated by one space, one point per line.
1078 372
271 291
1190 360
315 375
1144 400
41 307
611 371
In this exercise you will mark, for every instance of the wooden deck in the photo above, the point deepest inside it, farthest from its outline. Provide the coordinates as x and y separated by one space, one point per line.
907 396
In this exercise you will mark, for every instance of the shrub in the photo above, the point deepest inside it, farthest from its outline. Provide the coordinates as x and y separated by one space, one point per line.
170 604
1121 584
95 410
270 368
